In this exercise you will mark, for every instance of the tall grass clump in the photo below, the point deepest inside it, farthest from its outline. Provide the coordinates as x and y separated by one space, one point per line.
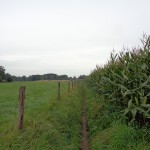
125 82
107 129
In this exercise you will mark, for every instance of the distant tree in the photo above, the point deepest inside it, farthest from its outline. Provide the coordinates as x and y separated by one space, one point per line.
19 78
8 77
14 78
74 78
49 76
81 77
62 77
35 77
2 73
24 78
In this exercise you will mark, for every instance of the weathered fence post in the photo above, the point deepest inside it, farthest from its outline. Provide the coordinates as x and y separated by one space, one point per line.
68 86
58 90
72 84
21 106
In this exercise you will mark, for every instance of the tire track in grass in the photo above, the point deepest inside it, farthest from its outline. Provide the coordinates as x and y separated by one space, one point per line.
84 127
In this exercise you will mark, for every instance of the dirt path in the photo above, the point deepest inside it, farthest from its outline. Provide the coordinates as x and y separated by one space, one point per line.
84 142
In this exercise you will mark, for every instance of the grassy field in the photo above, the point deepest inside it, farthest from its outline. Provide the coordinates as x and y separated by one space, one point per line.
48 123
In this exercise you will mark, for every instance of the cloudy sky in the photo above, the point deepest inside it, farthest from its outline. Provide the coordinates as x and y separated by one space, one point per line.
67 36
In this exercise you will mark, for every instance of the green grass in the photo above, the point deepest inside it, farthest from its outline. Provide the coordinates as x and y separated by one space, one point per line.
48 123
107 128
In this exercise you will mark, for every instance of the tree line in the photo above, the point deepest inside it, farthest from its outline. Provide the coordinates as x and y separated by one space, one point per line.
50 76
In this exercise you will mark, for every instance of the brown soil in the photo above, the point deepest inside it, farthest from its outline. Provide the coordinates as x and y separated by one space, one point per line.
84 132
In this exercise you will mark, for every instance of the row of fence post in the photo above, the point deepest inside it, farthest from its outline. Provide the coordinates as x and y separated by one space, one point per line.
22 99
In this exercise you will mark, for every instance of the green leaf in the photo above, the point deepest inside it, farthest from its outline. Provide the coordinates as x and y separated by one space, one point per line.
146 105
126 111
123 74
144 66
136 101
144 100
130 104
133 111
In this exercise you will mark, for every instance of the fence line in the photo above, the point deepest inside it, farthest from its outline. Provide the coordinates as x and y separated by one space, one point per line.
22 100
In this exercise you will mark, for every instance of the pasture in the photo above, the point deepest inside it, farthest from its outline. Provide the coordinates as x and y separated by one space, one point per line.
49 123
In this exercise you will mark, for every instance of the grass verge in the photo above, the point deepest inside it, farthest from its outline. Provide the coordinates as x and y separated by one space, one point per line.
107 128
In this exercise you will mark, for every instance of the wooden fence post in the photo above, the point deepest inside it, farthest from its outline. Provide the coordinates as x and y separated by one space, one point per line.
21 106
72 84
58 90
68 86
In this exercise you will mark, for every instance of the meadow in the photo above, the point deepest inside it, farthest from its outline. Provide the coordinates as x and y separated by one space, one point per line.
49 123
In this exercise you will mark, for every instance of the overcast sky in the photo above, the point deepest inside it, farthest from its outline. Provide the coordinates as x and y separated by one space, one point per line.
67 36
